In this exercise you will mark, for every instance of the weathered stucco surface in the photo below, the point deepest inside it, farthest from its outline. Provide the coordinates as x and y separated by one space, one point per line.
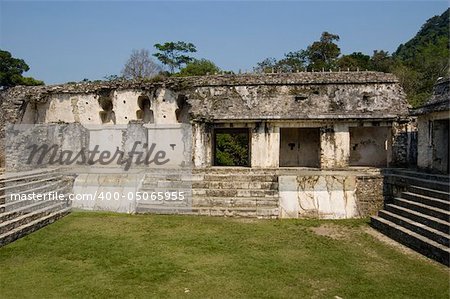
433 130
330 195
329 104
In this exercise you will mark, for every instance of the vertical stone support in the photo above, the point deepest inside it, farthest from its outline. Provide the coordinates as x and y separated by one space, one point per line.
265 146
202 145
335 146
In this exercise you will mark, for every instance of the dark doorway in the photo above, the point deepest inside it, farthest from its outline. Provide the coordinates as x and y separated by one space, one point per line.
300 147
231 147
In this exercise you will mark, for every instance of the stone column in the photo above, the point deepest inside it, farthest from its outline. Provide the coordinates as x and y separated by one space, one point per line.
335 146
202 145
265 146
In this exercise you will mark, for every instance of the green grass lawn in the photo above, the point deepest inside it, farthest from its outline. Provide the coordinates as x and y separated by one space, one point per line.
113 255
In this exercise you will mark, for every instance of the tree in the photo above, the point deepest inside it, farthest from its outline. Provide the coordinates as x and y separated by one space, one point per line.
11 70
323 54
292 62
140 65
356 60
200 67
381 61
173 54
268 65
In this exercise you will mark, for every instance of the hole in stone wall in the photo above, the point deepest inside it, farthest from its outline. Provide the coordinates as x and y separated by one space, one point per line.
145 113
299 98
182 111
105 102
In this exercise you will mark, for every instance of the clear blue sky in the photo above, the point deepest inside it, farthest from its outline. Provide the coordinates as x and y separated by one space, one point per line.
68 41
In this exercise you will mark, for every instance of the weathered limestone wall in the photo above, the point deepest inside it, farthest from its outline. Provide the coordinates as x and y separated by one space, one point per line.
330 195
86 109
433 129
265 145
328 103
431 141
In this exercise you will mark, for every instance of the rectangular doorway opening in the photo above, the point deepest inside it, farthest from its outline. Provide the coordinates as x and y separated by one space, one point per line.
440 143
231 147
300 147
369 146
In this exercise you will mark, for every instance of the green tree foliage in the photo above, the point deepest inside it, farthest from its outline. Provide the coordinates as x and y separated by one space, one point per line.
319 55
356 60
292 61
199 67
11 70
381 61
232 149
173 54
423 59
418 63
268 65
323 54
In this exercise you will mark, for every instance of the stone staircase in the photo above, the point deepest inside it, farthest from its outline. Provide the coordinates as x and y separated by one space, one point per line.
234 192
238 192
417 212
19 217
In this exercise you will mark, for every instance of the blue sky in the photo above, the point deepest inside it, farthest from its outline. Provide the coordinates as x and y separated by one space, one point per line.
67 41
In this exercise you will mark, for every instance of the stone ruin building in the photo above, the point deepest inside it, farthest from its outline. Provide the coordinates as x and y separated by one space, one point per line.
325 145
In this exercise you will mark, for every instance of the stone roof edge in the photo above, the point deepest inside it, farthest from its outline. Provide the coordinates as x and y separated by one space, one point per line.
302 78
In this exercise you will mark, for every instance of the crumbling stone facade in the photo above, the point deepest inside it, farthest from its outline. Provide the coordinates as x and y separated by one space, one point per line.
433 130
337 126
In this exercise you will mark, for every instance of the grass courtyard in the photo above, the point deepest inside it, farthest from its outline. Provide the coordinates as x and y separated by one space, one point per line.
112 255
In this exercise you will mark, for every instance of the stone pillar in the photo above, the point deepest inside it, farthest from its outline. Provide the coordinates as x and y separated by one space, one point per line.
202 145
265 146
335 146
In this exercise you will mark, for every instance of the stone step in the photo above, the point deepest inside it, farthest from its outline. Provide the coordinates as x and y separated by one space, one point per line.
416 227
235 185
39 189
424 209
24 205
25 210
402 180
427 200
234 202
11 187
24 219
240 178
234 193
234 170
167 184
429 192
32 226
418 174
430 221
27 176
413 240
252 212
